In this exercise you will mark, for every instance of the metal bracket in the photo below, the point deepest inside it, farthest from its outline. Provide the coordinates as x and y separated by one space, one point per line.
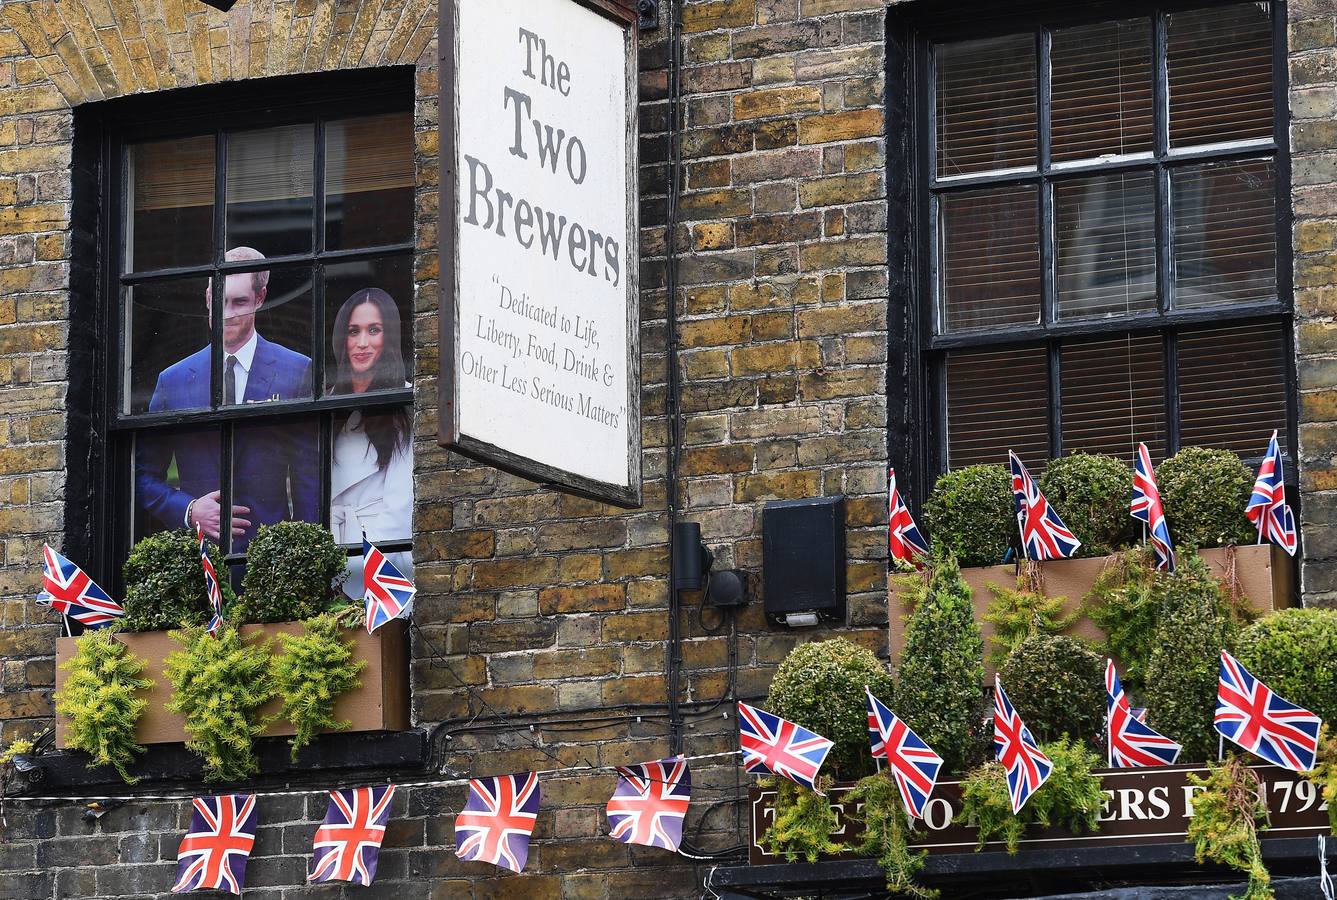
649 11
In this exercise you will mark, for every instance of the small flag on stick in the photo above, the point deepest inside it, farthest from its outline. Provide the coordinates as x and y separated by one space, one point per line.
1146 507
1027 766
68 590
1132 744
1262 721
914 765
211 585
1267 508
903 537
1043 534
775 746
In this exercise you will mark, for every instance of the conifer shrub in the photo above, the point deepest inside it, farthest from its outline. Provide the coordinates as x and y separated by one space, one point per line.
314 670
820 685
1090 492
1057 686
1125 603
876 802
1205 492
939 682
100 700
804 822
1294 652
164 582
1324 774
970 513
1020 614
1227 815
293 572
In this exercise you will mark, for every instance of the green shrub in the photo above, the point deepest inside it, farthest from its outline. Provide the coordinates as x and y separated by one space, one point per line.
293 572
938 689
1090 492
1126 603
164 582
820 685
1071 797
1226 817
876 802
1185 662
804 822
1205 492
316 667
1022 613
219 686
1058 688
1294 652
100 700
970 513
1324 774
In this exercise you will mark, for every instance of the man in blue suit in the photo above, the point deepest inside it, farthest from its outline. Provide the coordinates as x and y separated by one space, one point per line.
274 467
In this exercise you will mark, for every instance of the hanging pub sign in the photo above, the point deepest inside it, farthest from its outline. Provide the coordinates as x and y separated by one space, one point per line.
539 303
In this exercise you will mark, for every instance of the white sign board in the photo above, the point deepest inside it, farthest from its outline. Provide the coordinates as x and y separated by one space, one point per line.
540 354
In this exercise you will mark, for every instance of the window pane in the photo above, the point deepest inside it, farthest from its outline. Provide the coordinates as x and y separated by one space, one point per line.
1114 396
166 365
1106 231
369 181
267 325
171 192
1101 93
1232 387
275 476
371 478
1220 67
270 189
172 468
369 317
1225 233
998 400
989 258
986 105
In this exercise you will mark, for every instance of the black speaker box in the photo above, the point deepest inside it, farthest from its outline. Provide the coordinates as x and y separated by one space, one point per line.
803 558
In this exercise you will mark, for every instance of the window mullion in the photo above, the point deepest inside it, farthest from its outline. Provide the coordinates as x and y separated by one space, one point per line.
1171 392
1055 401
1161 123
318 270
1046 195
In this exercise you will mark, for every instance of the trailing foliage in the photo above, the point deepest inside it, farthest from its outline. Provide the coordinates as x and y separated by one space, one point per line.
877 804
970 513
1185 661
1019 614
1057 686
1090 492
315 668
1070 797
220 684
1324 774
942 667
100 700
820 685
293 572
164 583
804 822
1205 492
1125 603
1294 652
1226 817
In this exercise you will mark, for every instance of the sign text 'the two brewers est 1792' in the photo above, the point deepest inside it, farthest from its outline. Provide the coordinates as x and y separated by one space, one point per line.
539 312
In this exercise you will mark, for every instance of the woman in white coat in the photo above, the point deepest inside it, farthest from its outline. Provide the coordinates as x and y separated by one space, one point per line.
371 486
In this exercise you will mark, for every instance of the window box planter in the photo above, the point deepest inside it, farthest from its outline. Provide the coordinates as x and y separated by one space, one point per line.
380 704
1263 571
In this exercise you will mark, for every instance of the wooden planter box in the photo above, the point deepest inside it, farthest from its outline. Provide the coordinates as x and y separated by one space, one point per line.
380 704
1263 571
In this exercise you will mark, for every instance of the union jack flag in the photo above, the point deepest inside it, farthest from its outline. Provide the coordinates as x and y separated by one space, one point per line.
387 592
1043 534
213 854
498 819
348 845
211 584
1146 507
913 763
903 537
68 590
1131 743
1267 507
650 803
1027 767
1261 721
775 746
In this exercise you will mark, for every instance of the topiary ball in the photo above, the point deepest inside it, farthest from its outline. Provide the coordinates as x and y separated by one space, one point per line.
1056 684
970 513
164 584
293 571
1294 652
1090 492
820 685
1205 492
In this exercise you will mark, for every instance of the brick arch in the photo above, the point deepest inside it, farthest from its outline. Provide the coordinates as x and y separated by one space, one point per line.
89 50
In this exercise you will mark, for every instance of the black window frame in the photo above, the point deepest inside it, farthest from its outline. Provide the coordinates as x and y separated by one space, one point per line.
917 397
99 508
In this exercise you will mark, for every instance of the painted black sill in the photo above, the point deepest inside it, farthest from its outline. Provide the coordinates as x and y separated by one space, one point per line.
331 757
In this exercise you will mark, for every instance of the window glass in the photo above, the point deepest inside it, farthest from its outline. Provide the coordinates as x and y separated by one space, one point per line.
275 476
1101 95
989 271
998 400
1113 393
369 181
371 483
1225 232
369 311
166 360
1106 228
1232 387
1219 63
267 329
174 466
171 203
270 188
986 115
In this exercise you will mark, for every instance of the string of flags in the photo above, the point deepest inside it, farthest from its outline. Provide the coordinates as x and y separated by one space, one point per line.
1045 537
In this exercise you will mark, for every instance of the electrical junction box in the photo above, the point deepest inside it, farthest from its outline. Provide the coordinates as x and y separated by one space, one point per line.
803 561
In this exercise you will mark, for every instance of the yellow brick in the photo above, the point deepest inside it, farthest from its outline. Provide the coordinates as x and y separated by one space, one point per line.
778 102
841 126
719 14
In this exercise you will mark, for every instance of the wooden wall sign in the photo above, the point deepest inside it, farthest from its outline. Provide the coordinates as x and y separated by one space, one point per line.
540 357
